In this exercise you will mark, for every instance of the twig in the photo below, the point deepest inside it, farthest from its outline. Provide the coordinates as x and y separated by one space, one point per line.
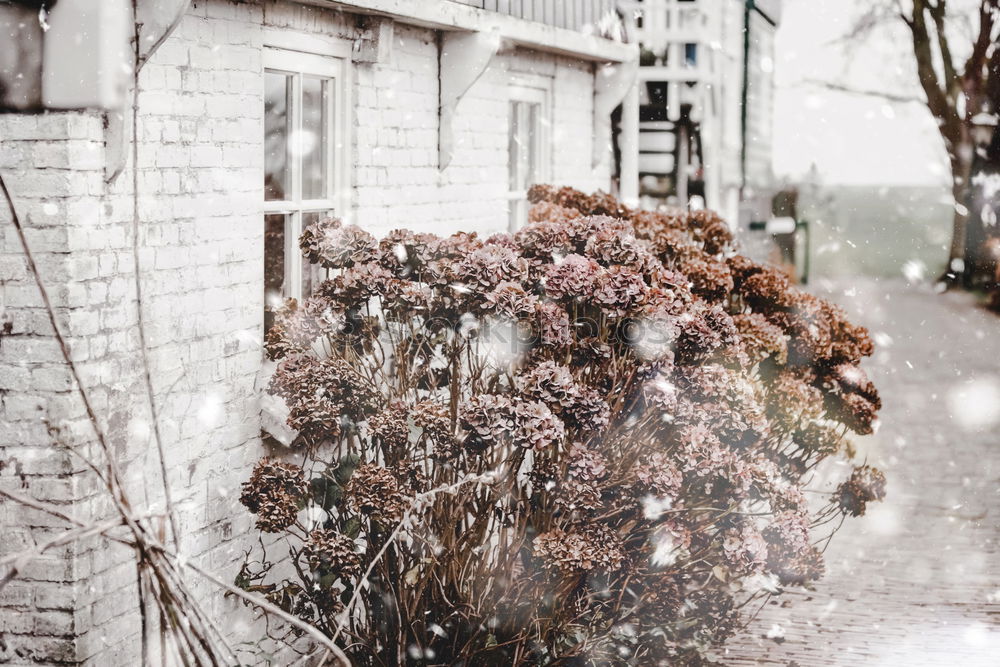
417 500
17 561
140 321
178 609
64 348
259 601
842 88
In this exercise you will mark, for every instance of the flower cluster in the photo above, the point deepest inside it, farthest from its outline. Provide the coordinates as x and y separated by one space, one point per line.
333 552
273 493
865 485
596 548
607 414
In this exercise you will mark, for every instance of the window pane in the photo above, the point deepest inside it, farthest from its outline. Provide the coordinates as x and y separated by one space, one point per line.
312 143
312 274
517 210
531 149
276 231
277 117
513 148
691 55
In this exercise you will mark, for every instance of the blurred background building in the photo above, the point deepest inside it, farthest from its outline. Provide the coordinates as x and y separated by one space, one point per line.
706 103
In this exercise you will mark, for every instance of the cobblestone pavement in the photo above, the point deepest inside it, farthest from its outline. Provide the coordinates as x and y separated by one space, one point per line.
917 580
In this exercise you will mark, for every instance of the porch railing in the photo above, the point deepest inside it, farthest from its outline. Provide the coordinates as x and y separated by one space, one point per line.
570 14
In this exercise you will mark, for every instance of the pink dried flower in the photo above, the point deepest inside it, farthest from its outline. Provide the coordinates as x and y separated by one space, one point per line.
536 427
390 428
549 382
658 475
618 290
435 421
572 278
595 547
511 301
485 268
744 548
587 410
543 239
587 464
334 245
553 325
790 553
615 245
761 338
356 285
489 419
702 454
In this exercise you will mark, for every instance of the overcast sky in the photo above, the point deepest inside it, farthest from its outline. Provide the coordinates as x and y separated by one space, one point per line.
852 139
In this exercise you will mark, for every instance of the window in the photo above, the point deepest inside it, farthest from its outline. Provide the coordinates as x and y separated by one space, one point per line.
527 149
691 55
305 172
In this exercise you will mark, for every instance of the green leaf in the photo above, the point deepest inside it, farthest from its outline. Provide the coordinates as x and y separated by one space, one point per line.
345 468
327 580
325 492
353 527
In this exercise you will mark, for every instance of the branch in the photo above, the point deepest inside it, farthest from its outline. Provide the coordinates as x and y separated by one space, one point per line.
843 88
973 74
137 273
417 501
259 601
873 18
937 100
18 560
938 13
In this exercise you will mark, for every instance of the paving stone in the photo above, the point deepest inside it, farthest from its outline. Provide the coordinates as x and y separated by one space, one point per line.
917 580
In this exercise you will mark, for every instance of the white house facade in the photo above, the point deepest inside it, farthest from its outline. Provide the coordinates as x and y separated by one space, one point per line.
253 118
706 90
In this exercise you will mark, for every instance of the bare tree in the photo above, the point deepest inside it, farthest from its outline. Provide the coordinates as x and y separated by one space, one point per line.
955 93
960 79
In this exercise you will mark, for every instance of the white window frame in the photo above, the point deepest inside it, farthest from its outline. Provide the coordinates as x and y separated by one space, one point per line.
533 90
311 55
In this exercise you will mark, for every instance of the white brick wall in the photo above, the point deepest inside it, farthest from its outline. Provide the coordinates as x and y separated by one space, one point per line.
201 233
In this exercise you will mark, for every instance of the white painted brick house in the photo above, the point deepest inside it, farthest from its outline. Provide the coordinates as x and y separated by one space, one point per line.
252 116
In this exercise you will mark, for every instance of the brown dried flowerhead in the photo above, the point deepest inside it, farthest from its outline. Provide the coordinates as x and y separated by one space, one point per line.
274 492
790 552
390 428
333 552
762 339
618 290
591 547
334 245
376 491
572 278
866 484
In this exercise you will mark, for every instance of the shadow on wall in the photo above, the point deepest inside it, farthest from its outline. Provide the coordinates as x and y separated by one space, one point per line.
878 231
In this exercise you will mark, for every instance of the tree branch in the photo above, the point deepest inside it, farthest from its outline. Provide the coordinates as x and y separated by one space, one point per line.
951 81
881 94
977 60
937 100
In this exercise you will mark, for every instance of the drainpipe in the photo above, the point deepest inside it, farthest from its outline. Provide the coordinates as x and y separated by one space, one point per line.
744 95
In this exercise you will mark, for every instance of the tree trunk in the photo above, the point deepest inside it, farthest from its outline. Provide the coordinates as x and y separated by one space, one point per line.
961 172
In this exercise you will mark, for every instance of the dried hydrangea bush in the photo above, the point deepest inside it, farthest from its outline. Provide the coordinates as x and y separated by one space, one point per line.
581 443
